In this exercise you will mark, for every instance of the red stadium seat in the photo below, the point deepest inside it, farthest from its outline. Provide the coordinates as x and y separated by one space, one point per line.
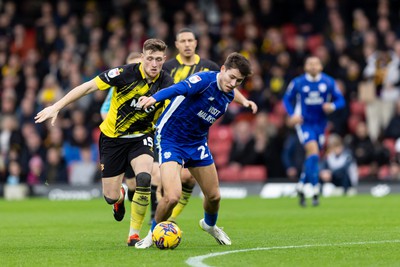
384 172
229 174
254 173
357 108
390 143
352 122
364 171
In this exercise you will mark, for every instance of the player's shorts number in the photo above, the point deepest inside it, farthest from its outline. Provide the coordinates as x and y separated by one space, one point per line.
148 141
203 153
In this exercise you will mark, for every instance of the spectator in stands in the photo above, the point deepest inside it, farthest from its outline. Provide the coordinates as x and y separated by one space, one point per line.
339 166
382 68
393 129
366 152
55 169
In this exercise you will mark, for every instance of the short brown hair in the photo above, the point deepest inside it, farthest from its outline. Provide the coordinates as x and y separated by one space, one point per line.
154 45
238 61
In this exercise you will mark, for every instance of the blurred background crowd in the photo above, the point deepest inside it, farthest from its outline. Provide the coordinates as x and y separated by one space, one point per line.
49 47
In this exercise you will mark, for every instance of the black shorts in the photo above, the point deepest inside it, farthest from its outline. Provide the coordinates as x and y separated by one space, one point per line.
117 153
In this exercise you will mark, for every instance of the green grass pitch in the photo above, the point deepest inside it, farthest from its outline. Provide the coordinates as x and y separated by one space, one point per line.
343 231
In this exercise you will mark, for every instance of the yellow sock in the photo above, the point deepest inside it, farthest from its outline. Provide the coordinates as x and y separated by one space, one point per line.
186 193
139 205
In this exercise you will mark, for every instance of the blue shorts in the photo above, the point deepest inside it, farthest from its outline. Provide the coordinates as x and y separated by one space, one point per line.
188 155
311 132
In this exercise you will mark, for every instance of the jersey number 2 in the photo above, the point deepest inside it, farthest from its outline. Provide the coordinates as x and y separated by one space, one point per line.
203 153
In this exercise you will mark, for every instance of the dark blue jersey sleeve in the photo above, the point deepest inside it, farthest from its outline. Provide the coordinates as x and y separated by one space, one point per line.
289 97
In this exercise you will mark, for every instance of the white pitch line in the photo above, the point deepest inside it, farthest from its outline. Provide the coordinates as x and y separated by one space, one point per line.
198 260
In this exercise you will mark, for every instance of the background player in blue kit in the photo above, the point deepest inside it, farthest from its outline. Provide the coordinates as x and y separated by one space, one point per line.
308 100
196 103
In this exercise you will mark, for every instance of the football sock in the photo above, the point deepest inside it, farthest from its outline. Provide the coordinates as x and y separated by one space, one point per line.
130 194
154 202
153 224
311 169
139 205
300 184
210 219
183 201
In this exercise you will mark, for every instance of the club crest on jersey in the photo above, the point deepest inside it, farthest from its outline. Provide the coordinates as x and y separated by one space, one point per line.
194 79
167 155
114 73
306 89
322 87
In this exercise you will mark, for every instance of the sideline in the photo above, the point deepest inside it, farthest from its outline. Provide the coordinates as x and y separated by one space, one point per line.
198 260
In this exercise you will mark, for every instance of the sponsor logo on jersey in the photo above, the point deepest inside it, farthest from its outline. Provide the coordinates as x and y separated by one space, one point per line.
194 79
167 155
114 73
211 98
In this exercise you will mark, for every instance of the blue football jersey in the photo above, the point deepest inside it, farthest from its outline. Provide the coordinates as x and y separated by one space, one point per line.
196 103
305 96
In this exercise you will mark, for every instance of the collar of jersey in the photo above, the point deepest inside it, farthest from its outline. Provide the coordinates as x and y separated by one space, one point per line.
311 79
196 59
144 75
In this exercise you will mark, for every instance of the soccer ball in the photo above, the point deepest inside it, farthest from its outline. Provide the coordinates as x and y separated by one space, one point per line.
167 235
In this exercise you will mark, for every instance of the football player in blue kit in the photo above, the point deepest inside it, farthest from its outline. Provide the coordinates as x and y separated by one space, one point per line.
308 100
196 103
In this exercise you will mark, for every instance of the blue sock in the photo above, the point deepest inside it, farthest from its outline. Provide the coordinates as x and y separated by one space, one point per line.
311 169
153 224
210 219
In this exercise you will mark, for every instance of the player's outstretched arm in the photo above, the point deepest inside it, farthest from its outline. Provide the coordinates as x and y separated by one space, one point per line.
241 99
73 95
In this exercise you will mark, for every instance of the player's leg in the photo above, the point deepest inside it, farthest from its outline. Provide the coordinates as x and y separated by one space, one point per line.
142 166
114 194
130 182
113 164
188 183
172 188
207 178
155 189
311 169
171 184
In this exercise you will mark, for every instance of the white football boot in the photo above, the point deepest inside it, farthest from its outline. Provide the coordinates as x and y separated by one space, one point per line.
216 232
146 242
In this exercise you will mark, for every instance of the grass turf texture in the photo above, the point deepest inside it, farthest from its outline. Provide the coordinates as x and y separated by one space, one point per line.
340 232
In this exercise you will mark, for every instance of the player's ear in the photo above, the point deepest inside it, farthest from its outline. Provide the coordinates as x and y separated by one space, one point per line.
223 68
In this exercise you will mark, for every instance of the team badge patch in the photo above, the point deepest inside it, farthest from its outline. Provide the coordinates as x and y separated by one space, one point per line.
167 155
194 79
113 73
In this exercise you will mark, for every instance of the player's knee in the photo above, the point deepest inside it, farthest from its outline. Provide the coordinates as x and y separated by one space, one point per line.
214 198
110 200
143 179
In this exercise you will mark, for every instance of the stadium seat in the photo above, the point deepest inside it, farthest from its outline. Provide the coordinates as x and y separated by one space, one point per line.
253 173
221 160
229 174
357 108
277 120
314 41
352 122
364 171
279 109
384 173
389 143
